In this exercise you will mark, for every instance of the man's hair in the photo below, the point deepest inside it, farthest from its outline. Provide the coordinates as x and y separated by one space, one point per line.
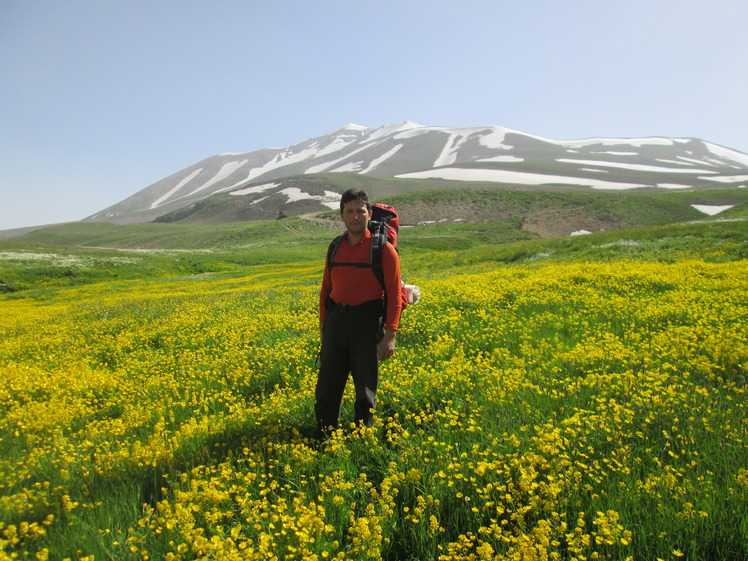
355 194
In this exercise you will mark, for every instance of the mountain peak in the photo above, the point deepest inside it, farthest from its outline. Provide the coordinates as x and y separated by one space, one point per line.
352 127
400 127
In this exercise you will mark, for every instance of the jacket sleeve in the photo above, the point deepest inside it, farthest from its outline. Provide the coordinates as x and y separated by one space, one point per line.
392 285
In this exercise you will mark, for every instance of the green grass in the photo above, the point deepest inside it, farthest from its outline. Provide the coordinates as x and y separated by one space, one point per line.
216 326
617 362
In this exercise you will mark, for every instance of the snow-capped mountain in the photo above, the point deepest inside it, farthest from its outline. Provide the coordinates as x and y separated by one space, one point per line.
490 155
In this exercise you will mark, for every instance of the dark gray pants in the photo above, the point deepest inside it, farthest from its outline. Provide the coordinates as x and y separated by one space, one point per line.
350 337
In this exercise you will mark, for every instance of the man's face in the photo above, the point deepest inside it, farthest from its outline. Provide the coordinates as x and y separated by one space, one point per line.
355 217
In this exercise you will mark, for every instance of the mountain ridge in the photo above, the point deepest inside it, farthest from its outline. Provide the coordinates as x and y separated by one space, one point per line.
271 181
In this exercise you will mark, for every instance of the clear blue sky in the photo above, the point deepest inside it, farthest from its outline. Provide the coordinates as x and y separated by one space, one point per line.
99 99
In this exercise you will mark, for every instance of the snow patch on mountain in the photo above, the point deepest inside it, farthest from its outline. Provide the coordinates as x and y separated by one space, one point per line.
352 167
383 158
451 147
333 166
636 142
506 159
495 139
355 127
394 130
254 189
330 199
711 210
637 167
457 138
684 163
728 154
308 152
226 170
176 188
518 177
728 178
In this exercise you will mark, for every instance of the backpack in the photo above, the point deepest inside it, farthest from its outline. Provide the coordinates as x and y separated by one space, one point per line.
384 227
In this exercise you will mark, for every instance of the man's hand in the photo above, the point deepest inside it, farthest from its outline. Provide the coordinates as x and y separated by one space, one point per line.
387 345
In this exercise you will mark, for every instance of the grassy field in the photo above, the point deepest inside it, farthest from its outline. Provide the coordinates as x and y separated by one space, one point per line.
575 398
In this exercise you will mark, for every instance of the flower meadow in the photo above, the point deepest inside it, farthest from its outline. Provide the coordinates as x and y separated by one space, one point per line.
567 411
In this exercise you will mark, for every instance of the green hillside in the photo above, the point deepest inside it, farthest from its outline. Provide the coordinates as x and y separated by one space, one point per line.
492 225
510 214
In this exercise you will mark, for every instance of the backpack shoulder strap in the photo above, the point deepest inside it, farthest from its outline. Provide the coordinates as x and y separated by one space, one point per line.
378 241
332 250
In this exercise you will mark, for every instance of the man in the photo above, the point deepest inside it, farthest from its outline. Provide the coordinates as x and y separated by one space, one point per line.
353 309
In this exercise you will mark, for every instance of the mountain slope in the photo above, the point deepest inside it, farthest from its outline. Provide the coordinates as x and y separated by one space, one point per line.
278 179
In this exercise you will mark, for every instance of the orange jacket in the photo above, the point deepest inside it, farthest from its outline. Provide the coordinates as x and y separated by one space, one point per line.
357 285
